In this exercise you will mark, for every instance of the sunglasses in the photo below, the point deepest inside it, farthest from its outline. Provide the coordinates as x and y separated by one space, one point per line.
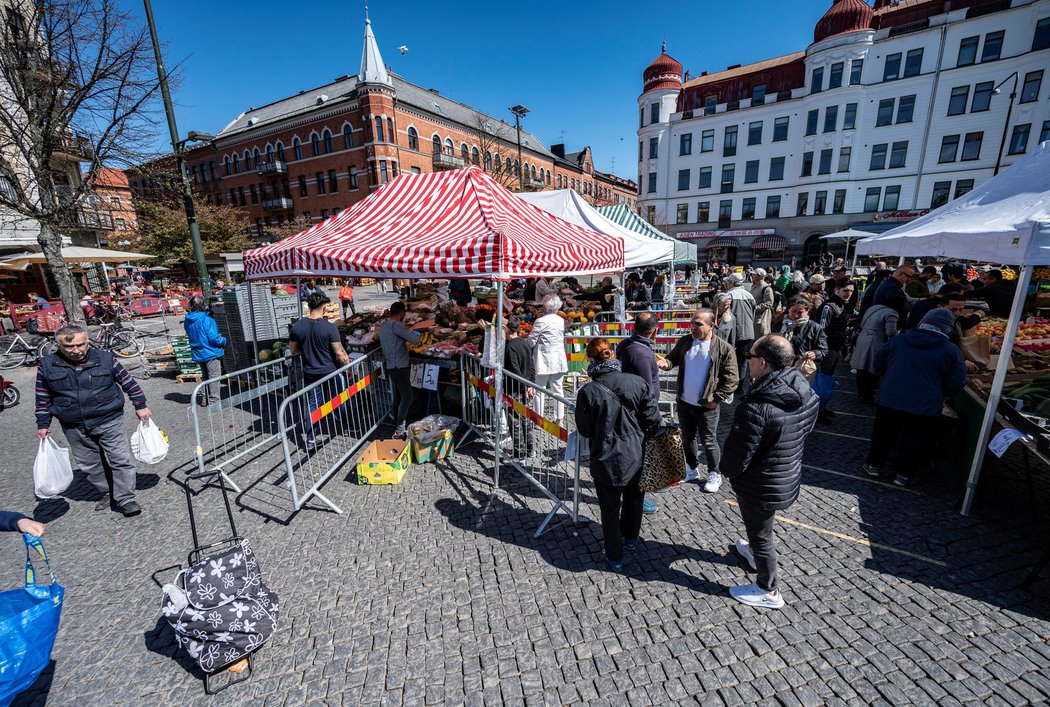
753 355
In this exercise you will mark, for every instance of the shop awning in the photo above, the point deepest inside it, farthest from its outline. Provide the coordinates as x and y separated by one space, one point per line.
722 242
769 243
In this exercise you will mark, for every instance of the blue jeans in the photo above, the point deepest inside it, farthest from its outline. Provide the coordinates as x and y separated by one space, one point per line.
318 396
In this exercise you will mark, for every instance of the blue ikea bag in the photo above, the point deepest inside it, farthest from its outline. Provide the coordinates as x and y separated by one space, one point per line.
824 385
28 625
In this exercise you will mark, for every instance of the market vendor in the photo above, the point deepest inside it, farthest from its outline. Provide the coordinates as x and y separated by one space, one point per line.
459 291
545 286
997 292
530 289
393 335
637 293
608 294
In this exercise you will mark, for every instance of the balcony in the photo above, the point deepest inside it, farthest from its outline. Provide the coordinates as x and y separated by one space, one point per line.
280 204
75 148
93 219
270 168
443 161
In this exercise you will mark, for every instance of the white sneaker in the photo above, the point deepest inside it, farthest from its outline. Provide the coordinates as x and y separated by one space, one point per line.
743 548
753 595
714 482
691 474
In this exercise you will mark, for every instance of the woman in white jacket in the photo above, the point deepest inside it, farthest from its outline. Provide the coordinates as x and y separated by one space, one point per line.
548 335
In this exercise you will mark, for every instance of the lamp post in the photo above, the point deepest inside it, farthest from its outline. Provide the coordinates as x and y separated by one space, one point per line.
519 112
1009 111
178 146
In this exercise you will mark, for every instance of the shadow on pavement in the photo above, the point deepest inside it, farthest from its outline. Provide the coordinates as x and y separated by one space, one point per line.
37 693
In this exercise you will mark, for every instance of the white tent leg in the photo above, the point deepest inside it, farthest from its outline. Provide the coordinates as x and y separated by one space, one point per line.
996 389
497 404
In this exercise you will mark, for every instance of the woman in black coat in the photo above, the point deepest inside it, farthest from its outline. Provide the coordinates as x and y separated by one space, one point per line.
806 336
614 411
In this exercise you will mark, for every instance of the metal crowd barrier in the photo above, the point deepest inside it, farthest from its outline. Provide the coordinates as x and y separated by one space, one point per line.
340 412
477 408
244 420
575 354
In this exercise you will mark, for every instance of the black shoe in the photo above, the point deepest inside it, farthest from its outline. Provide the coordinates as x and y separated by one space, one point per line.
203 402
103 503
824 417
129 509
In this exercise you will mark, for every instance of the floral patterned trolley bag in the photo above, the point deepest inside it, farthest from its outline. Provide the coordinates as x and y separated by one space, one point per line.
219 607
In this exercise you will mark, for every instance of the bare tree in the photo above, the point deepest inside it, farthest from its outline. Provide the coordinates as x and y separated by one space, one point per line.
498 147
77 80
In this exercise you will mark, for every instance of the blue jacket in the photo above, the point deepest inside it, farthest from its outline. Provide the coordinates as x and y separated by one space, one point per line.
640 360
206 343
919 370
9 520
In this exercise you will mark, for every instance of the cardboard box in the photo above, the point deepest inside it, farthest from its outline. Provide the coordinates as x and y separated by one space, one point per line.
437 449
384 461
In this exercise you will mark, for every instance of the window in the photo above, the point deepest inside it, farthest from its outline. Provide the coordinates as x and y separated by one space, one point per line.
464 153
982 97
758 94
844 155
710 104
320 183
333 181
838 202
725 213
707 141
324 214
941 192
240 197
807 164
685 144
892 69
228 165
751 171
747 209
328 141
835 77
450 149
302 186
856 67
913 63
773 206
967 51
654 113
654 148
898 154
253 194
780 129
352 178
247 162
683 180
703 212
820 202
315 144
831 118
802 204
811 121
776 169
871 198
972 147
1044 134
1041 40
891 199
754 133
652 182
280 151
383 175
705 178
728 175
413 139
297 148
993 46
348 137
650 213
1019 139
963 186
885 115
641 117
849 117
682 213
878 156
641 151
729 142
906 109
949 148
816 83
825 161
1033 80
236 164
957 102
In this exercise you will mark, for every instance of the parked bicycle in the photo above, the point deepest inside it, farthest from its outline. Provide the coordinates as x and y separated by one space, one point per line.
122 343
16 350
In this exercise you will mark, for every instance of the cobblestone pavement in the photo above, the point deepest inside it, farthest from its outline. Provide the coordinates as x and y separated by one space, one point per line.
435 592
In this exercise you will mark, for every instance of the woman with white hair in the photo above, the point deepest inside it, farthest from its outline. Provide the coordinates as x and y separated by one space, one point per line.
548 335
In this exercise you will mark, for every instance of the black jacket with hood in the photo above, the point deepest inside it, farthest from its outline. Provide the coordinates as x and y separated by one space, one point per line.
763 453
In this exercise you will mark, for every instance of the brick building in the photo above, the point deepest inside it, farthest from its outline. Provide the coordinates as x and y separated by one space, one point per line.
112 193
307 157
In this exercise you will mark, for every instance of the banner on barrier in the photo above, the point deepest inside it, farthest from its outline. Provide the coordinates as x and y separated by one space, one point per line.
320 413
522 409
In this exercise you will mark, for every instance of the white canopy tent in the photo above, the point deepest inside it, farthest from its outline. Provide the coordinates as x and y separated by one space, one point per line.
1005 220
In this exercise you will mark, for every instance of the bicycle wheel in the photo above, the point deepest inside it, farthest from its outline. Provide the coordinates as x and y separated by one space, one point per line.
48 346
124 344
11 396
12 358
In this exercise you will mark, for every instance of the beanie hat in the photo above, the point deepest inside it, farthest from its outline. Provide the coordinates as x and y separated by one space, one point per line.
939 320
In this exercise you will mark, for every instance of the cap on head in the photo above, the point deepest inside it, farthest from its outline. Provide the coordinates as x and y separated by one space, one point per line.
817 279
734 278
760 272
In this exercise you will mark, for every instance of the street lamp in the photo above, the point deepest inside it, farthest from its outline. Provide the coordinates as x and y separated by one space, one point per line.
178 146
519 112
1009 111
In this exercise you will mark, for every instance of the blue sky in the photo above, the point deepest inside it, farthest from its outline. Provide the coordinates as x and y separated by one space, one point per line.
577 66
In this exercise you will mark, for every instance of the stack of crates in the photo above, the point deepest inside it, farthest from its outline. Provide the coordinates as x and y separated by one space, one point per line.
187 367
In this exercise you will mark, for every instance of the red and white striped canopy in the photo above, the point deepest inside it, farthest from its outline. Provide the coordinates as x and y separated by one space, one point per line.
458 223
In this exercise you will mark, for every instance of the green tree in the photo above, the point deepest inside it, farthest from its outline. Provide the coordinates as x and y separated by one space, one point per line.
162 230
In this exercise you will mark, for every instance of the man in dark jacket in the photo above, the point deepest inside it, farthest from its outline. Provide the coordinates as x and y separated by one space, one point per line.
919 370
707 377
891 292
763 458
84 388
636 354
834 315
519 358
997 292
637 294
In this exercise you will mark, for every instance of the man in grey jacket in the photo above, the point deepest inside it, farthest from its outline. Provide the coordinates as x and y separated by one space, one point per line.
393 335
743 308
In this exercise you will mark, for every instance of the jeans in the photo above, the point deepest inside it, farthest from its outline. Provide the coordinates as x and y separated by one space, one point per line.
318 396
621 511
348 304
908 437
401 387
105 452
556 382
698 420
211 370
758 524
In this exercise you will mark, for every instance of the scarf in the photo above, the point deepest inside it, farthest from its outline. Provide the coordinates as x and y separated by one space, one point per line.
789 326
597 369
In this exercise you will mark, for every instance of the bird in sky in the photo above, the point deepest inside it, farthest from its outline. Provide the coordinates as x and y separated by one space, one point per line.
403 49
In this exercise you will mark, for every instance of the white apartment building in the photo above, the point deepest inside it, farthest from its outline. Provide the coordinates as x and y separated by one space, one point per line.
891 111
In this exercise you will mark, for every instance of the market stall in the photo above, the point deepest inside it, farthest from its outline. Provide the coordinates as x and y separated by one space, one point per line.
621 214
1005 220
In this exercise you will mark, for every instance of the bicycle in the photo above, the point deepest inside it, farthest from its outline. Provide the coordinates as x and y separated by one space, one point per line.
18 351
122 343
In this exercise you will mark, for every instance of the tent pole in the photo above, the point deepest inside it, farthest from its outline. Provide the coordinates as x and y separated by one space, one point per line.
853 265
497 404
996 389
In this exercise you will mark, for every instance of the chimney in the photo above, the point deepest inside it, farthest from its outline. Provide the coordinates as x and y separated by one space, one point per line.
558 150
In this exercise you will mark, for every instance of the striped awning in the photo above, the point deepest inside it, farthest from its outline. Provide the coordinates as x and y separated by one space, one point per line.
458 223
722 242
769 243
623 215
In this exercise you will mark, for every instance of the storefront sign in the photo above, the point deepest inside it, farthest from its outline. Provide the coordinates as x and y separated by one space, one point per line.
900 215
732 233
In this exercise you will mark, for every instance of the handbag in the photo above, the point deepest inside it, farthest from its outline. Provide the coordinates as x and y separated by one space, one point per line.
29 619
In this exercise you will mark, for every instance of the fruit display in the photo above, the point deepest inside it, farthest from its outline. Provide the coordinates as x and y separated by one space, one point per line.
1032 334
584 314
1008 274
1041 273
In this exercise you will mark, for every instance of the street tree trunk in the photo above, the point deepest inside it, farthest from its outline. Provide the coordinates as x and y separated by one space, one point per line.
51 247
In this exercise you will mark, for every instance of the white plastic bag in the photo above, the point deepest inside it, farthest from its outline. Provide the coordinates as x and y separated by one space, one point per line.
52 472
149 444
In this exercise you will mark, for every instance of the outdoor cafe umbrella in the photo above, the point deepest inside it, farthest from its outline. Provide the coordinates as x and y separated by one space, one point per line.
77 254
848 236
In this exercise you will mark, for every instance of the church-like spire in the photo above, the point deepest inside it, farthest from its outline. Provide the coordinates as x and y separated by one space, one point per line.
372 68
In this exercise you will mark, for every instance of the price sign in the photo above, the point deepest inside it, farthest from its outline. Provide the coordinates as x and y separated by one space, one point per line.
1002 441
430 377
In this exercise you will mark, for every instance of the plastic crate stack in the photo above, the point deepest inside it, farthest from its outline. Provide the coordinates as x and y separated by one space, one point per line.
286 310
181 347
233 313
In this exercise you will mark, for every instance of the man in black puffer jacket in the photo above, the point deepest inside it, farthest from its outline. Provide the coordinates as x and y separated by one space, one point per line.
763 458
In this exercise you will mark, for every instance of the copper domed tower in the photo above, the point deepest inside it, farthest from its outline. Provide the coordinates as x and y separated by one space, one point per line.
664 72
843 17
